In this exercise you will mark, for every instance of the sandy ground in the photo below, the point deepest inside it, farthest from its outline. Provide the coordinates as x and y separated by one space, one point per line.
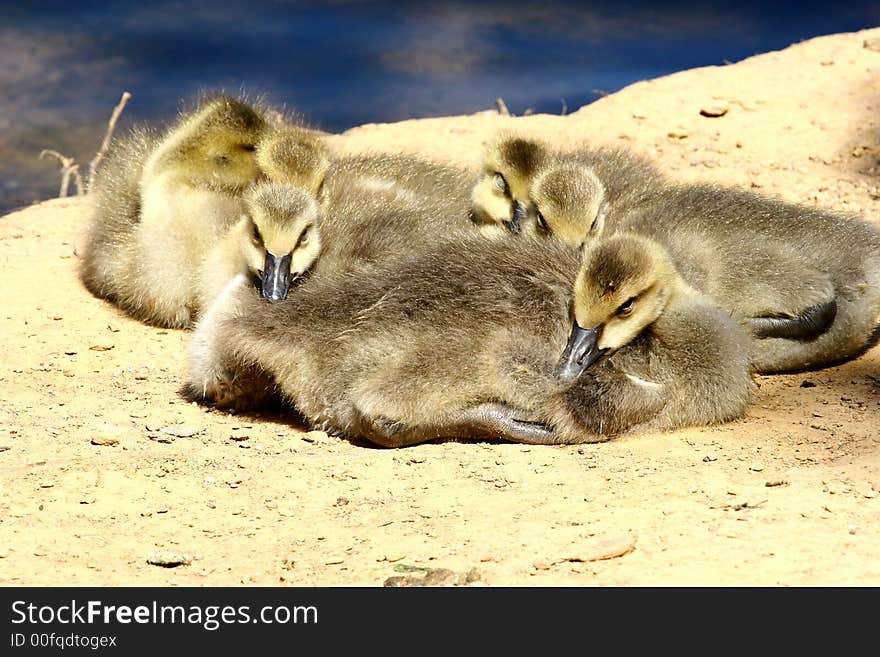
790 495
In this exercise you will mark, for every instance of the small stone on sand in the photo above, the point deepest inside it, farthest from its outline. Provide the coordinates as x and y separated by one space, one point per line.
168 559
180 430
105 441
315 436
714 110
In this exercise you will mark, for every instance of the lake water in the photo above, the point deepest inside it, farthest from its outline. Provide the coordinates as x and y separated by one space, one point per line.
64 64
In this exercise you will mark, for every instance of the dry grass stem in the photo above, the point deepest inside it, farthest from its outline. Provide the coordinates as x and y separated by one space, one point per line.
111 125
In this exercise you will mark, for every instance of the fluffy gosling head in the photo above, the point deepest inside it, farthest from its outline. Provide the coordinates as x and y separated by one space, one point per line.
214 147
567 201
294 157
281 240
499 195
624 284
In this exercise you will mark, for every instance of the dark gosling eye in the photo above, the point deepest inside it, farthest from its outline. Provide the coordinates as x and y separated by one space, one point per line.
542 223
303 237
256 234
626 307
250 148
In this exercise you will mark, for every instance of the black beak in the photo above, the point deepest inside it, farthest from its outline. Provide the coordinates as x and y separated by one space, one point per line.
276 277
519 212
580 352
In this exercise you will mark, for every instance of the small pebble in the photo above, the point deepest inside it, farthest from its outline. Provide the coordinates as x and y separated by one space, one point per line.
180 430
142 374
435 577
105 441
168 559
678 133
315 436
153 424
441 577
711 456
873 44
714 110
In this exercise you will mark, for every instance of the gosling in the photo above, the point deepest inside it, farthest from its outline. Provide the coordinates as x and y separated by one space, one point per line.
805 282
774 266
275 242
162 203
468 340
527 187
438 190
372 208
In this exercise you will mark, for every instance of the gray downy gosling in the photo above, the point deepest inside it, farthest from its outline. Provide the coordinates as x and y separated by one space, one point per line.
162 203
805 282
468 340
439 190
274 245
774 266
529 188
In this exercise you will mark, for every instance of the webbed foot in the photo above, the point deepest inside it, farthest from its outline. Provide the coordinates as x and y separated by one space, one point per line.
484 421
808 325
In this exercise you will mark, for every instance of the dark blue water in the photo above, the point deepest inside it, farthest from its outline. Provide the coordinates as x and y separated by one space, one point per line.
63 65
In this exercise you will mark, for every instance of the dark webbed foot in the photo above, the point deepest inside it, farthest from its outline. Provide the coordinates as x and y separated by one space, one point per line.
505 422
808 325
484 421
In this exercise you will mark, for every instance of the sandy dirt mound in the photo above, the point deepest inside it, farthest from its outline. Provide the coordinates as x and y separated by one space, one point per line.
103 463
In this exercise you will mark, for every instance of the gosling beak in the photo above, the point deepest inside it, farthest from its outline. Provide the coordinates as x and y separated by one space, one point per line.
519 212
276 277
580 352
